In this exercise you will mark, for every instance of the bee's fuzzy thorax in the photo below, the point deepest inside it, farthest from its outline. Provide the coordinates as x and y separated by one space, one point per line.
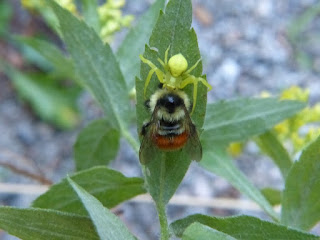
162 92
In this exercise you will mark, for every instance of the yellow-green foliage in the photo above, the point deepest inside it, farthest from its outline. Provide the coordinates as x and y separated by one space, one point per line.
39 4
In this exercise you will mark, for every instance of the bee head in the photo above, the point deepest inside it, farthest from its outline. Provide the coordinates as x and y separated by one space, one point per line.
170 102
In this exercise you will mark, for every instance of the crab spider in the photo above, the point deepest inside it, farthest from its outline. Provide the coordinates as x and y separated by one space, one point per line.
176 74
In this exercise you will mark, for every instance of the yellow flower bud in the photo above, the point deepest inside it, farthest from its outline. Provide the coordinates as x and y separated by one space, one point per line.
295 93
235 149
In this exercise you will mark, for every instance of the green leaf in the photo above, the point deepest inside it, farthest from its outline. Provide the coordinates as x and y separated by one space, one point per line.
164 174
243 228
107 224
62 64
270 144
300 200
239 119
134 43
51 102
97 66
90 13
272 195
300 24
43 224
216 160
5 16
166 169
172 29
109 186
97 144
197 231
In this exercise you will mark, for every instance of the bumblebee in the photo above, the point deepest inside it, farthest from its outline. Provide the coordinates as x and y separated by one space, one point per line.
170 127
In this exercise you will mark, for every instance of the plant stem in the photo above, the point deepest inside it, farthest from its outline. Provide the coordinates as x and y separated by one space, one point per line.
161 207
163 221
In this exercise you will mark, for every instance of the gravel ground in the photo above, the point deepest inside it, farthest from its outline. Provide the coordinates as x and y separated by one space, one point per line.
245 51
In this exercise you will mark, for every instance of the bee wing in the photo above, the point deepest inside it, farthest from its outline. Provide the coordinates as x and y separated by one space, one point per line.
193 146
148 149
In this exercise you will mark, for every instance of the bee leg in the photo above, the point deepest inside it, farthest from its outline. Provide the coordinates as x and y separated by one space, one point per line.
144 128
147 103
191 107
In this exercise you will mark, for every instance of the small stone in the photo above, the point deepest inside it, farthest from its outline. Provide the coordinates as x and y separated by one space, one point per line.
229 70
25 134
264 8
203 15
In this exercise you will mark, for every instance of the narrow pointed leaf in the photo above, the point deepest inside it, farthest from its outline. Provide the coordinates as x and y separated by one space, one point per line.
109 186
106 223
90 13
97 144
166 170
300 201
48 100
197 231
6 11
97 66
173 29
43 224
271 145
62 64
134 42
216 160
237 120
272 195
243 228
164 174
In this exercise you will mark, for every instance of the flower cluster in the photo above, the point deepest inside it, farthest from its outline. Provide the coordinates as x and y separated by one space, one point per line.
110 14
303 127
299 130
111 19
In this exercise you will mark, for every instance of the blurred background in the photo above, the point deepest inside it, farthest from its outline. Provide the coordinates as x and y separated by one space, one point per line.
249 48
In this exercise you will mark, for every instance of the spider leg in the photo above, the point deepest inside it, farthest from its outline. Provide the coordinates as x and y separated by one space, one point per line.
146 61
195 92
165 63
161 62
193 67
166 56
159 74
153 70
191 80
204 82
187 81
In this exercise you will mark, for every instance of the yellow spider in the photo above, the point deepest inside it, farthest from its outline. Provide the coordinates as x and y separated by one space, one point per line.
176 74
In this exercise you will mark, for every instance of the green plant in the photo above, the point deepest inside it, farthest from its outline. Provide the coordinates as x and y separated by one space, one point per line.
77 207
50 85
302 40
